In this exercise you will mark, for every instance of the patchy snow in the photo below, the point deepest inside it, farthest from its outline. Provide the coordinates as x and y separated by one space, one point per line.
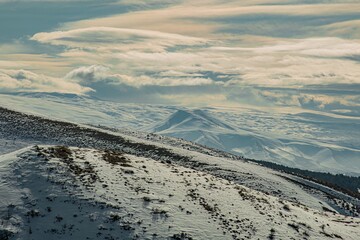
82 193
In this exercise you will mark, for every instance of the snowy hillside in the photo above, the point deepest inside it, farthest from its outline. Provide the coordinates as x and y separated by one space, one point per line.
126 185
198 126
315 141
78 193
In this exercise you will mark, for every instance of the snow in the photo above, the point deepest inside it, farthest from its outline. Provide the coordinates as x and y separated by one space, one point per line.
200 127
8 195
146 184
81 194
34 130
307 140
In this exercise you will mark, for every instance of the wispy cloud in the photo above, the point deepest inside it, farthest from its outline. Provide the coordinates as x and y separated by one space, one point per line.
121 39
21 80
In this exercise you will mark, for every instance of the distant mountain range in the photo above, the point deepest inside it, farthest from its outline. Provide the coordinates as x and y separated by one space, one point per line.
200 127
310 145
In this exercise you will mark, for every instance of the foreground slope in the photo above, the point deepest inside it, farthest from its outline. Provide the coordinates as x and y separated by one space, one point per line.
80 193
18 130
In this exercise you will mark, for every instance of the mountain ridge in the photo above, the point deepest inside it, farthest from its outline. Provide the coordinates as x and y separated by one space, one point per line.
200 127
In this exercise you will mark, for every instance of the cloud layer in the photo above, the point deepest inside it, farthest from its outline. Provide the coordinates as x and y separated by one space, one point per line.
281 53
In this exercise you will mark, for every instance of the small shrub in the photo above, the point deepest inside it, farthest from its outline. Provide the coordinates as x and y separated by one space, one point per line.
294 226
272 234
286 207
33 213
114 217
127 171
62 152
5 234
146 199
181 236
116 158
58 218
159 212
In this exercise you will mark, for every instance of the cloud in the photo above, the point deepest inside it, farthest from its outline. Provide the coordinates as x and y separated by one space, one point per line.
318 47
88 74
96 73
209 18
22 80
149 2
139 57
120 39
284 63
19 1
256 52
318 100
12 48
144 80
325 101
347 29
144 61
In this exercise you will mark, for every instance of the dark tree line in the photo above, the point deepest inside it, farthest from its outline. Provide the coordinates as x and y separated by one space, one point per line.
346 184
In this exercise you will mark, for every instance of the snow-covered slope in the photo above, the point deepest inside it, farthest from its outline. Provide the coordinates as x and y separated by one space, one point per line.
80 193
311 141
198 126
123 185
190 120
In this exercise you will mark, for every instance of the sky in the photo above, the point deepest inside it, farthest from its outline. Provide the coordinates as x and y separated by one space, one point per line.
293 54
